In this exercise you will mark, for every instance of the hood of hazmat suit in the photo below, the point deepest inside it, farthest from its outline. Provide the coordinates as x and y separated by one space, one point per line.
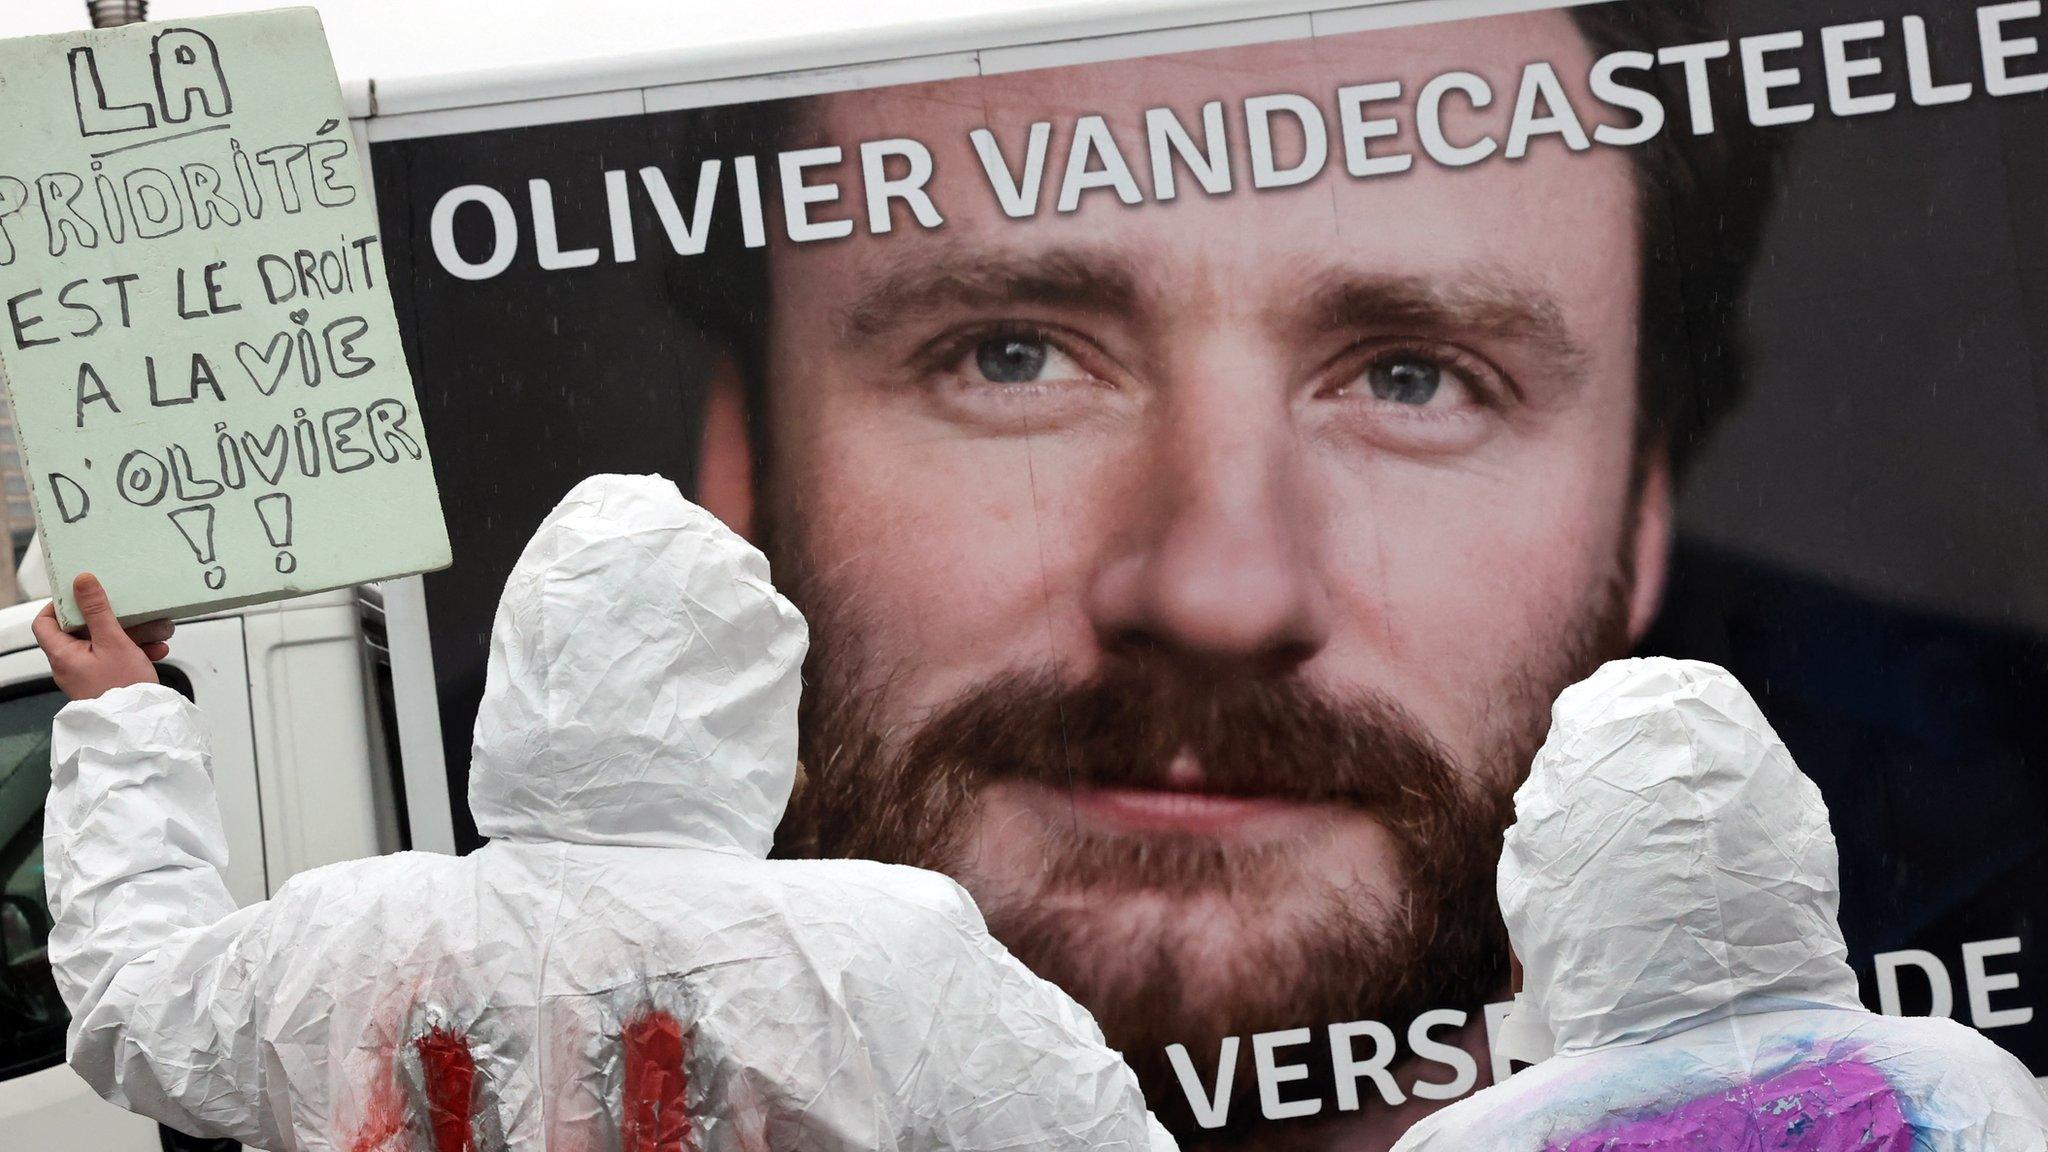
620 968
1670 886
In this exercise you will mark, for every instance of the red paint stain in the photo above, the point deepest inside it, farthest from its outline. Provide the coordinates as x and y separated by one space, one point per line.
655 1100
378 1122
383 1113
449 1069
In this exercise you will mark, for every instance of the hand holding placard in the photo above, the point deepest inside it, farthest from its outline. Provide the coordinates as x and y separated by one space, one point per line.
107 656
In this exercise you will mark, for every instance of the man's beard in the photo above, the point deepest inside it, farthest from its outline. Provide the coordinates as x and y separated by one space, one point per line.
910 796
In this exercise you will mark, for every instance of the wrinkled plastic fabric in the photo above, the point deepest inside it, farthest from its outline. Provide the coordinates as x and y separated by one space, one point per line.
1670 886
635 747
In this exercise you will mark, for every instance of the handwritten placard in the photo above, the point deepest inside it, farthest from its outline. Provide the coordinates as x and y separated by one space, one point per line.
197 339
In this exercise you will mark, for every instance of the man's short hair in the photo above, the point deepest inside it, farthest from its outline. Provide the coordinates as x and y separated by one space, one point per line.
1703 202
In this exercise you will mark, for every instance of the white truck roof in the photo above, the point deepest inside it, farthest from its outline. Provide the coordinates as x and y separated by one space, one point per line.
760 54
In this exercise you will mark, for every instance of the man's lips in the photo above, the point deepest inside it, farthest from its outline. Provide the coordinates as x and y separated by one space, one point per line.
1184 801
1170 811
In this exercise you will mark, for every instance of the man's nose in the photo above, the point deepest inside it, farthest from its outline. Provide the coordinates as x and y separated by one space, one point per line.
1218 563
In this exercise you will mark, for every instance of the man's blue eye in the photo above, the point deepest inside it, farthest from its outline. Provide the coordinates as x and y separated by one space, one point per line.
1405 379
1010 361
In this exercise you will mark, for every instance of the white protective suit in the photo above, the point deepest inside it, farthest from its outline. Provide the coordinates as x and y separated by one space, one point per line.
621 946
1670 887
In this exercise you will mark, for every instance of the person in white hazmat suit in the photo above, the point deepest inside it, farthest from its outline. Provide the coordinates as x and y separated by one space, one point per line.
619 968
1669 886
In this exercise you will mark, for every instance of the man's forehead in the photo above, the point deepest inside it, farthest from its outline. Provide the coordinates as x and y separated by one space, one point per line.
1495 47
1557 226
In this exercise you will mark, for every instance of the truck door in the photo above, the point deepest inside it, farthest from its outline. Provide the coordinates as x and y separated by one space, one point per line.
44 1106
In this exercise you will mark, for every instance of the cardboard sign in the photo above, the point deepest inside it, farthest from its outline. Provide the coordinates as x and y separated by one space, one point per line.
197 339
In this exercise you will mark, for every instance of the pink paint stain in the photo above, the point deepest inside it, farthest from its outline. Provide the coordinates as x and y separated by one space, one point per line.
1846 1107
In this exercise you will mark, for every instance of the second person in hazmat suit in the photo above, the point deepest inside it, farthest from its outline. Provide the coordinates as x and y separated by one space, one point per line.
1669 886
620 968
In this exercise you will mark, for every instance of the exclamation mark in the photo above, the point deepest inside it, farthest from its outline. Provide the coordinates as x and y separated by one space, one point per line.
275 510
196 525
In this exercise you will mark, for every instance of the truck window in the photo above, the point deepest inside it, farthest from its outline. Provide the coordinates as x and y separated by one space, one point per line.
32 1015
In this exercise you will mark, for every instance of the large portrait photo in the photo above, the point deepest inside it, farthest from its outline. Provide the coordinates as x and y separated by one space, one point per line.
1202 455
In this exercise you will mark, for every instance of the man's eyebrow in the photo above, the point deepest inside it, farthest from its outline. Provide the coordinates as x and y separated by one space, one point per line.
1092 279
1486 301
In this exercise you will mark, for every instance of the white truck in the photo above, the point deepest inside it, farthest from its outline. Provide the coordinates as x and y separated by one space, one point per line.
326 726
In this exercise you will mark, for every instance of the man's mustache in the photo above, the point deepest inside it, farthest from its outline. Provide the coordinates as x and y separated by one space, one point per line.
1249 737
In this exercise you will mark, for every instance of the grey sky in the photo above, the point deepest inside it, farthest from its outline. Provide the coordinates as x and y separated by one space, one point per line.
385 38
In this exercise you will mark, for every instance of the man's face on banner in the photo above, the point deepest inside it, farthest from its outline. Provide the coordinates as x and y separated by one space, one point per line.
1191 580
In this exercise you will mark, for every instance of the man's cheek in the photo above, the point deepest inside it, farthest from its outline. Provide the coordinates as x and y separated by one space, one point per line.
942 553
1450 587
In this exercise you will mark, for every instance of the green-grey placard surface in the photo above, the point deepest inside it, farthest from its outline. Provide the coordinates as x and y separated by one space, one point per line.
197 339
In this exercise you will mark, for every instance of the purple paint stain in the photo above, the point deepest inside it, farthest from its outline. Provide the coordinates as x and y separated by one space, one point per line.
1832 1108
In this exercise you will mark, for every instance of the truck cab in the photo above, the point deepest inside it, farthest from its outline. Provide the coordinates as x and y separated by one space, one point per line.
299 697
